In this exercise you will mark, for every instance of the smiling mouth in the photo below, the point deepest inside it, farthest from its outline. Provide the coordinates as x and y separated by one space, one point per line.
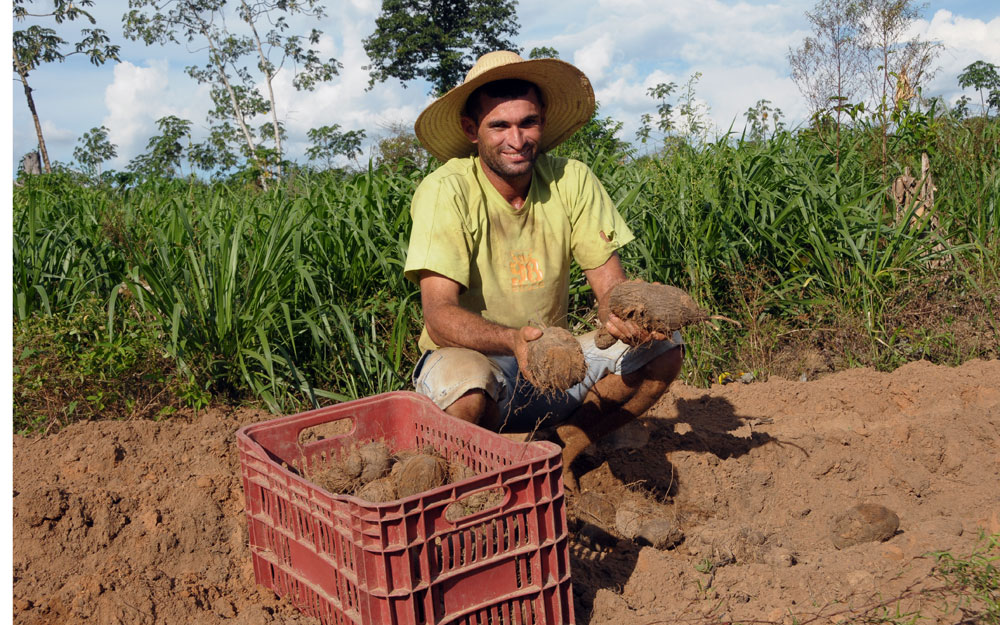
518 156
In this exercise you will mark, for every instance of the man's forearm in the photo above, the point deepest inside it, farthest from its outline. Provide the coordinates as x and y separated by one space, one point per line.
602 279
453 326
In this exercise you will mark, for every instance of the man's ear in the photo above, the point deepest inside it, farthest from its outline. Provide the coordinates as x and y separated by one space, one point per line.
470 128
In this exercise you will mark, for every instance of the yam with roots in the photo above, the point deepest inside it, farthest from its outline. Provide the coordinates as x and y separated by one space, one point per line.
654 308
368 462
418 473
555 361
378 491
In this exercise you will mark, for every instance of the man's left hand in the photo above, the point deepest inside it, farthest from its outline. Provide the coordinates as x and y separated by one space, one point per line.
630 332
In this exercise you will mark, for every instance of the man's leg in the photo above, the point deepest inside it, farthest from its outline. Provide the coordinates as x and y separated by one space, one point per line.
611 403
476 406
462 382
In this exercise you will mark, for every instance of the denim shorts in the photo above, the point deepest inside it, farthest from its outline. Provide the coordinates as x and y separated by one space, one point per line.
446 374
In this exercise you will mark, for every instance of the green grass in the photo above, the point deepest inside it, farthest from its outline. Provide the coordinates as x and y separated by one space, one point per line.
973 580
73 366
295 297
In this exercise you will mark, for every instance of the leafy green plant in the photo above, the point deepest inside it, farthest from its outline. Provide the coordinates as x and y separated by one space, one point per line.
73 367
295 296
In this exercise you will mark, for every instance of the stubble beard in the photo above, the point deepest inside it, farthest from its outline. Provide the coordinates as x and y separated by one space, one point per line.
511 172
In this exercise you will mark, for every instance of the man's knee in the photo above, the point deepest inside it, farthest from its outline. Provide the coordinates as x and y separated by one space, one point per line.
655 376
666 366
475 406
449 375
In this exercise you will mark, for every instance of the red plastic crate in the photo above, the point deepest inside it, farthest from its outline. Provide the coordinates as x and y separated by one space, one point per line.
345 560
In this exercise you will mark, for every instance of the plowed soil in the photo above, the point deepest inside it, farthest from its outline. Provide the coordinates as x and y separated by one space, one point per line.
142 522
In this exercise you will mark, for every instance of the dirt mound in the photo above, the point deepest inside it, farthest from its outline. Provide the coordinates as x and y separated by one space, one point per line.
142 522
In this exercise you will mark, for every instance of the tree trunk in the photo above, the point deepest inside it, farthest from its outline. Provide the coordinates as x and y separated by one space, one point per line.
30 164
237 112
883 109
34 114
840 103
270 89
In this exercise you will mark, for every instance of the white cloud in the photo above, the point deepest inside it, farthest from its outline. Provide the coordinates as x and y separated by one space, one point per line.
139 96
965 41
134 100
55 135
733 90
964 36
369 7
595 58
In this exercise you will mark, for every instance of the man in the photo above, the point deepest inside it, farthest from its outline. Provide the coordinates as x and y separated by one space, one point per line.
494 232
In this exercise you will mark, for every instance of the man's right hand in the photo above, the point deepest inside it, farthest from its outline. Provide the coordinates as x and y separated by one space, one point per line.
524 336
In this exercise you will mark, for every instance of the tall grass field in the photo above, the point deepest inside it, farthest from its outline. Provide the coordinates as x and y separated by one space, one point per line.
135 301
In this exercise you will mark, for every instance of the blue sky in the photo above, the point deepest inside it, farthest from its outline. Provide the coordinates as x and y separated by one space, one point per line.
624 46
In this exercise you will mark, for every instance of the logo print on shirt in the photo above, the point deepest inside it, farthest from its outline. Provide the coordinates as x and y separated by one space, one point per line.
526 273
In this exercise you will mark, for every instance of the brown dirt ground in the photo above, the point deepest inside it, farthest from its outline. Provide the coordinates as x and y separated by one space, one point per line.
142 522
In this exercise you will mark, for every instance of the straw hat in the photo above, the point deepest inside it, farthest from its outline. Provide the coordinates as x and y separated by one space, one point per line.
569 102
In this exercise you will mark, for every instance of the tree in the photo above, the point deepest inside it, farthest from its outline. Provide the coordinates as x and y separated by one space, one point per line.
664 112
199 20
984 78
896 66
234 85
758 127
37 45
599 134
437 40
543 52
329 142
860 49
694 113
94 148
310 69
961 109
400 149
163 151
215 153
892 58
827 67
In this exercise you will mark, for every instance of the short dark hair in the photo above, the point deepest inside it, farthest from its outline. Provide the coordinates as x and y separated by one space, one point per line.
506 88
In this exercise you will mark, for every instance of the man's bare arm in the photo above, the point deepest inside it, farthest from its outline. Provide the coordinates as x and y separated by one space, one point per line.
450 325
602 279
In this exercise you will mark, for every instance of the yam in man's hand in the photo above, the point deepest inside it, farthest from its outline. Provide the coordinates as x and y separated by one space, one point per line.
550 359
656 309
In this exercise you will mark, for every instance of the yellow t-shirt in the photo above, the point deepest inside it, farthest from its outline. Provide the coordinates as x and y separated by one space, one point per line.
513 265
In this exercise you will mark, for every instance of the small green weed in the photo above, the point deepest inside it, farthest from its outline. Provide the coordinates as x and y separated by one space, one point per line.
70 367
973 579
968 591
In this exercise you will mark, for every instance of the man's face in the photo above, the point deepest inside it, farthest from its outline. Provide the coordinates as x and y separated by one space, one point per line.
507 135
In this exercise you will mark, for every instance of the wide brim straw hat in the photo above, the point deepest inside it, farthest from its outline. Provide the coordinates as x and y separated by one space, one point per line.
568 96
